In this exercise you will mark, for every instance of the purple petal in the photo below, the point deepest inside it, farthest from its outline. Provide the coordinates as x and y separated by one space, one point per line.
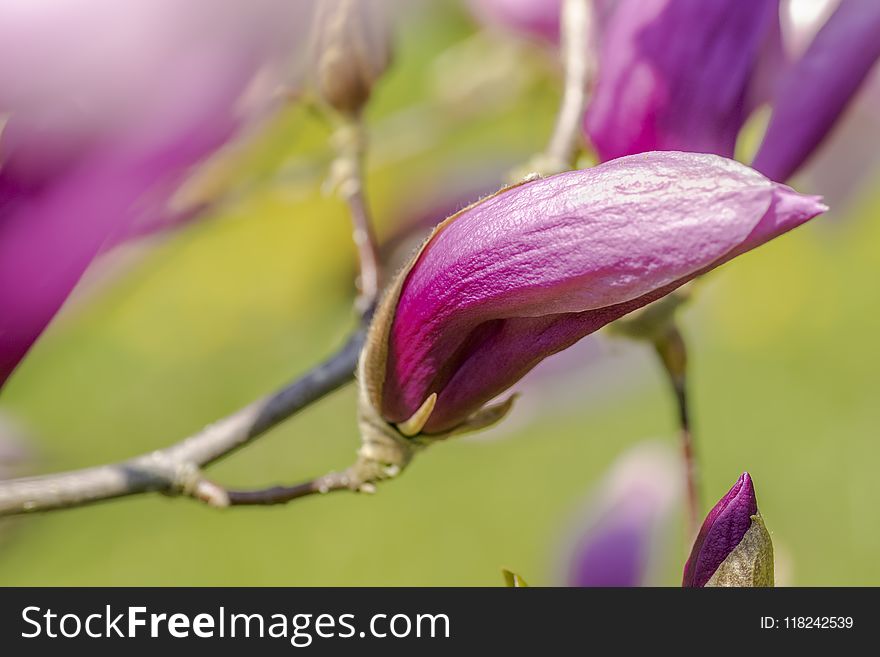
817 89
676 75
532 270
721 532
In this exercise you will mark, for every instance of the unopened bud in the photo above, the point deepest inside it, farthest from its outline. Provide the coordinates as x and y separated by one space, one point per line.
733 547
350 51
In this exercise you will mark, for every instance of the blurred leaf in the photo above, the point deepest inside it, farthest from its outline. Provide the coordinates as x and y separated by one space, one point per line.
512 580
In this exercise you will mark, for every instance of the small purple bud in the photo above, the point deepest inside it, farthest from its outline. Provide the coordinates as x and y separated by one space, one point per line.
733 547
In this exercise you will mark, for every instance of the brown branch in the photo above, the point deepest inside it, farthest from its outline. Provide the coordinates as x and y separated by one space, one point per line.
283 494
177 469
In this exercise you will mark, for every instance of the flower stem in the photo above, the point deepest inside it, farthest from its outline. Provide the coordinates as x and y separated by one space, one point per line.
671 349
575 32
348 174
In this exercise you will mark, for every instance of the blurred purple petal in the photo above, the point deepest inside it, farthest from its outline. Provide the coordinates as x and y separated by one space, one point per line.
104 125
630 518
617 555
817 89
771 63
530 271
677 75
722 531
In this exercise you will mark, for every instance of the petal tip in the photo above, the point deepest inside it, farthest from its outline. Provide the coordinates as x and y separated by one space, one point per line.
746 487
796 206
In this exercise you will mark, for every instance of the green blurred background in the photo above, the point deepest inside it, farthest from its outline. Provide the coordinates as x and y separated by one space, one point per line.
784 371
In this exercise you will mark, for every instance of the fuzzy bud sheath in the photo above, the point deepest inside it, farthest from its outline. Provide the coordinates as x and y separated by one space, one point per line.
350 50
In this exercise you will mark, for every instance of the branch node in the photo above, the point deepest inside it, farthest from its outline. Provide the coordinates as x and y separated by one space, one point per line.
211 494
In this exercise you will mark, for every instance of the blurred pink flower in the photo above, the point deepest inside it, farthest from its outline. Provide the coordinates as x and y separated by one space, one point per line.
677 75
686 74
629 521
105 107
814 93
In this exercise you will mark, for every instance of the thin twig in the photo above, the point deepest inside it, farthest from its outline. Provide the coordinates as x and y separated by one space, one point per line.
348 175
283 494
671 349
177 469
576 27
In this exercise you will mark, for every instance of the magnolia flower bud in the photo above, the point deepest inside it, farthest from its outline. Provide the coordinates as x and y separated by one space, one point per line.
733 547
350 51
529 271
